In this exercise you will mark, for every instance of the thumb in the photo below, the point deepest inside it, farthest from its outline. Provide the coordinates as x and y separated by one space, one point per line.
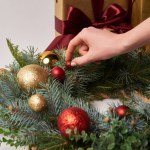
82 60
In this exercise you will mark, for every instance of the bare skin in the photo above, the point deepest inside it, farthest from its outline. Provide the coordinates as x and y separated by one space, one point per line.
96 44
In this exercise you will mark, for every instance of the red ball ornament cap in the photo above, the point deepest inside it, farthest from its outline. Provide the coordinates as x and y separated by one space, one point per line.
72 118
58 73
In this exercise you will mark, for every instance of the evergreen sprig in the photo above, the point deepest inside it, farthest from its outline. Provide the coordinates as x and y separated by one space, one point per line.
119 137
24 57
16 53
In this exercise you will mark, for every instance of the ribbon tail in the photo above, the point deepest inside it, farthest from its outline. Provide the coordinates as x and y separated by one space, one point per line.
60 42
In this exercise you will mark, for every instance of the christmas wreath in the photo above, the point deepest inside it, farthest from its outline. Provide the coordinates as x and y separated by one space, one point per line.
46 104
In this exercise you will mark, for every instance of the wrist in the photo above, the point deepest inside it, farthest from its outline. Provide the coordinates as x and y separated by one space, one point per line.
126 43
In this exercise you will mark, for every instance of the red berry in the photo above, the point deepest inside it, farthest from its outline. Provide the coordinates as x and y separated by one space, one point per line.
58 73
121 110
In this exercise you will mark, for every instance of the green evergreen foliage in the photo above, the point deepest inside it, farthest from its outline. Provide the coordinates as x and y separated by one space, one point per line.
120 137
21 126
23 58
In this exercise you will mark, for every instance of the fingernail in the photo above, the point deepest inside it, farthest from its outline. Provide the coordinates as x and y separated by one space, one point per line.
73 64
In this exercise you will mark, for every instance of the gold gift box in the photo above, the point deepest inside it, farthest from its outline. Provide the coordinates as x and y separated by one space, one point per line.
62 6
141 8
140 11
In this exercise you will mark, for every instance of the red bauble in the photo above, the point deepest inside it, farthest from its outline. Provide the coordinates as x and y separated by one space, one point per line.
58 73
72 118
68 65
122 110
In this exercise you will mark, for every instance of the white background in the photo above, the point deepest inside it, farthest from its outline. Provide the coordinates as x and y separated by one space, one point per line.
26 23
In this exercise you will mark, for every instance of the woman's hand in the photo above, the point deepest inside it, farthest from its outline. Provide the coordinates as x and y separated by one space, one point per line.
94 45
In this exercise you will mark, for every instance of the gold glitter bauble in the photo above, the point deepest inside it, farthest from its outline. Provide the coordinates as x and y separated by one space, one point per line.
31 76
49 58
37 102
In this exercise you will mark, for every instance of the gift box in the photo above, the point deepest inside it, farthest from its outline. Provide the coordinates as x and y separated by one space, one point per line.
71 16
62 8
140 9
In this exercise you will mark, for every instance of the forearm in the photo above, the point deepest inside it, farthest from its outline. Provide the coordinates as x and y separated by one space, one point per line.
137 37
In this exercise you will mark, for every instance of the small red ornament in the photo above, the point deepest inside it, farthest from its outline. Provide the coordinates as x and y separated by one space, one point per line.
68 65
122 110
58 73
72 118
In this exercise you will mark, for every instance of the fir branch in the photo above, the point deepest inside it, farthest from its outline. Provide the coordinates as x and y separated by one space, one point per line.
30 55
52 142
53 94
23 57
24 119
137 103
16 53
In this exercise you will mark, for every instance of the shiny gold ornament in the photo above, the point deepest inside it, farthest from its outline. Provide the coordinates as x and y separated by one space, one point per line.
49 58
37 102
31 76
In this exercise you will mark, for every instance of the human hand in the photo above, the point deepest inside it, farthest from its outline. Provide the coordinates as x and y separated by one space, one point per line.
95 45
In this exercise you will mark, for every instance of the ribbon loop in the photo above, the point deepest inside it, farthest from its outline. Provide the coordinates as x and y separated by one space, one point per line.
113 14
76 21
113 11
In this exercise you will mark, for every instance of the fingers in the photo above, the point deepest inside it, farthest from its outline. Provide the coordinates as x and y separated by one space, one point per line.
76 41
83 50
82 60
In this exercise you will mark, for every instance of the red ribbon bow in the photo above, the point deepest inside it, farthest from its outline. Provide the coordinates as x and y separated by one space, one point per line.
113 17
